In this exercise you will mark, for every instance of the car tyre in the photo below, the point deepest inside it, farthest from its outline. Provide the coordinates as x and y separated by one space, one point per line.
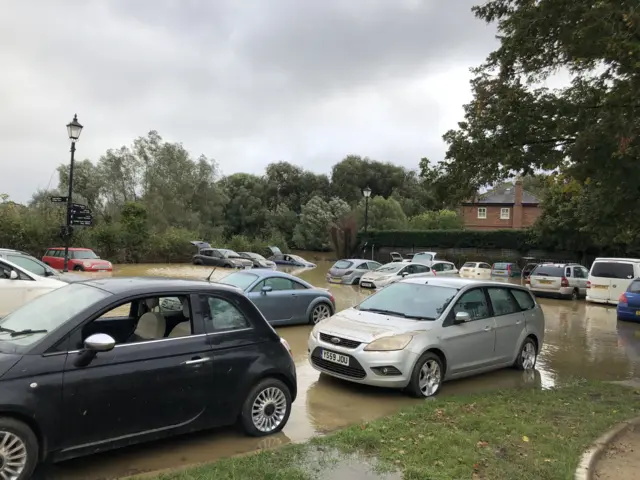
20 444
320 312
356 282
527 356
427 376
266 409
78 268
575 294
198 262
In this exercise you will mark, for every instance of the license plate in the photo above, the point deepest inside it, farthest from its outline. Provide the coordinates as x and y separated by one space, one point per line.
366 284
335 280
546 282
335 357
600 286
499 272
248 267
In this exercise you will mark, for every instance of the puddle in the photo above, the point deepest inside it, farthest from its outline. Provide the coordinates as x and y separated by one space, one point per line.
581 340
330 463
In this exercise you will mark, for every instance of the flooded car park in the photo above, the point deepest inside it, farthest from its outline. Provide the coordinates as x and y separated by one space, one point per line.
581 340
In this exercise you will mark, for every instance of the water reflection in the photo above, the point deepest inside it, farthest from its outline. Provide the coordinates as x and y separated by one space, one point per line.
581 340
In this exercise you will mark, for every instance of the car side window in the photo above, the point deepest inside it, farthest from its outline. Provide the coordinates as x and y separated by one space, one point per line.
362 266
5 272
502 301
278 283
298 286
484 265
27 264
567 272
474 302
577 272
222 316
447 266
420 268
438 267
373 265
524 299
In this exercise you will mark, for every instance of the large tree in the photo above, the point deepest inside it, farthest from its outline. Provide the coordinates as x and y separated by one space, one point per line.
588 131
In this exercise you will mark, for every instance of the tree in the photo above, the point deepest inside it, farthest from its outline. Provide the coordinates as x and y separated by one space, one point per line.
311 232
436 220
246 211
589 131
384 214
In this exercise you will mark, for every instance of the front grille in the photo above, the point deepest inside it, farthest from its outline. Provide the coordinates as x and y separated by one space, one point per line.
344 342
354 370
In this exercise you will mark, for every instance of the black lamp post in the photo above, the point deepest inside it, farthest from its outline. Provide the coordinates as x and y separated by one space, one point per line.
367 193
73 129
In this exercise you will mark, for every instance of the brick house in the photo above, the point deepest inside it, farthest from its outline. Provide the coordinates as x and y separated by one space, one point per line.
507 207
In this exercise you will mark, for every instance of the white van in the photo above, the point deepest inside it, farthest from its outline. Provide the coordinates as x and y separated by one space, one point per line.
610 277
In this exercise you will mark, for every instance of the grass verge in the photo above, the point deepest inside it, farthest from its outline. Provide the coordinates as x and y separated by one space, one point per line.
523 433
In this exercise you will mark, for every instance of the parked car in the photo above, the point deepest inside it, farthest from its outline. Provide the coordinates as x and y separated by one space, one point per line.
629 303
610 277
35 266
559 280
80 259
218 257
479 270
424 257
442 267
18 286
393 272
505 269
258 260
397 257
415 334
121 370
282 298
288 259
349 272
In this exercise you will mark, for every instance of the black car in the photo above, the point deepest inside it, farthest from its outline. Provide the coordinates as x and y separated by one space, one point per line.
219 257
106 363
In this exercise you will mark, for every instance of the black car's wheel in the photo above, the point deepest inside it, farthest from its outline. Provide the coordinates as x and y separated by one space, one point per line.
528 355
320 312
427 376
198 262
78 268
228 265
266 409
18 450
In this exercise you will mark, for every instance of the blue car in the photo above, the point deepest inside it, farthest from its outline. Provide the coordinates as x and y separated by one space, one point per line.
280 258
629 303
282 298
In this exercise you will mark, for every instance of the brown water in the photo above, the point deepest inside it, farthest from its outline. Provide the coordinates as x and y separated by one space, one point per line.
581 340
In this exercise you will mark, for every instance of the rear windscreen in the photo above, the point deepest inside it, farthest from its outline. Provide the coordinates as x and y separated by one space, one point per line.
342 264
612 270
548 271
469 265
634 287
500 266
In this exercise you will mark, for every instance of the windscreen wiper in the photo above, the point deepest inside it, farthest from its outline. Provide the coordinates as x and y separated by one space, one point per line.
379 310
17 333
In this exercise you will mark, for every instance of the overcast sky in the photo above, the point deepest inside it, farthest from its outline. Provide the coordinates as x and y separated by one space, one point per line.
245 82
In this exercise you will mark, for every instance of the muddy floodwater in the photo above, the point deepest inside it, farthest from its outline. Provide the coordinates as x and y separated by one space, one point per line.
581 340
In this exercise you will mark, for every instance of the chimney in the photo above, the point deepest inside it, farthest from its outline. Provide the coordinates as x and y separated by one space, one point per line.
518 213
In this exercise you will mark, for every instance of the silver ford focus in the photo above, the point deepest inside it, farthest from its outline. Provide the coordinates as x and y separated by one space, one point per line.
419 332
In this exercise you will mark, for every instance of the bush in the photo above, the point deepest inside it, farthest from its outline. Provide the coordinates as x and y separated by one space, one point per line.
494 239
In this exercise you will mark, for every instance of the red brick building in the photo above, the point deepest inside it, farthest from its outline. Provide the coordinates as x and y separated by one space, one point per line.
509 207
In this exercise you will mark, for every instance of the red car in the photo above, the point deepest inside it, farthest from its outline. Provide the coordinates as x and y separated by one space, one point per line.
80 259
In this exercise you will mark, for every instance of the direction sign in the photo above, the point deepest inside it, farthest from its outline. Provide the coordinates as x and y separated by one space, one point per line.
59 199
78 206
80 213
82 222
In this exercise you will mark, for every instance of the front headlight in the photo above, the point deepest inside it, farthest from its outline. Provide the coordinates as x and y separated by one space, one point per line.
389 344
314 333
87 264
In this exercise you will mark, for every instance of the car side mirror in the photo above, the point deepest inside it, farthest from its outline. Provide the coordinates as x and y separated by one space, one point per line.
462 317
13 275
99 342
266 289
404 274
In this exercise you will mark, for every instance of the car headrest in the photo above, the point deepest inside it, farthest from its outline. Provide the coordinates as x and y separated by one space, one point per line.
186 311
151 302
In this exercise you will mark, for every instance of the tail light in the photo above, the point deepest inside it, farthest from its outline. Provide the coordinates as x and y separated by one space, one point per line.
588 284
623 299
509 268
332 298
564 282
285 344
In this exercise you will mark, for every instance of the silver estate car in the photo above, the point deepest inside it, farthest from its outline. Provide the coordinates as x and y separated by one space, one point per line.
419 332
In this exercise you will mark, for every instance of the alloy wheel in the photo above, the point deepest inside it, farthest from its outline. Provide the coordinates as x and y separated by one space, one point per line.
430 378
528 356
320 312
13 456
269 409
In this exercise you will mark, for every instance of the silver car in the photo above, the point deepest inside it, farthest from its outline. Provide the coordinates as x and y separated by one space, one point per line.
559 280
350 271
417 333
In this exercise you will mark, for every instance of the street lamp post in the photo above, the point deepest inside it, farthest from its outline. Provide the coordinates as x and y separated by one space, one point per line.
367 193
73 129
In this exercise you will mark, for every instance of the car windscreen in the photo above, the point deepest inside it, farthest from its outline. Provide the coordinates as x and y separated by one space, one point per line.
469 265
239 279
416 301
46 313
390 268
298 259
548 271
342 264
612 270
84 255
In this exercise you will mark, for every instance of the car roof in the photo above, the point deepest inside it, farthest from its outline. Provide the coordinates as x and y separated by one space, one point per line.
356 260
267 272
71 249
444 261
11 250
455 282
420 253
136 285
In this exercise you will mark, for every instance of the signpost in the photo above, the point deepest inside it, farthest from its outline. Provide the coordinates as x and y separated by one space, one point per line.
81 215
58 199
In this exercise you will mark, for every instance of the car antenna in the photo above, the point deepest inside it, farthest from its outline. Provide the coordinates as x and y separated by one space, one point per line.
209 277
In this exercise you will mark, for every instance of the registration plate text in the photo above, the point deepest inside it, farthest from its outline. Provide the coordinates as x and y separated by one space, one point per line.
600 286
366 284
546 282
335 357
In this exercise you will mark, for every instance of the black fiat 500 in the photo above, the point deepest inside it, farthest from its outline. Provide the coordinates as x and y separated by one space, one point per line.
106 363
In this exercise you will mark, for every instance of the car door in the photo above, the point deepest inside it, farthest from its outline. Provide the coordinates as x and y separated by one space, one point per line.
13 292
278 305
469 346
581 275
509 320
419 270
138 388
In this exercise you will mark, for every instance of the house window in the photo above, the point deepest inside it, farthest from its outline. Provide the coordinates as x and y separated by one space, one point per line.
504 214
482 212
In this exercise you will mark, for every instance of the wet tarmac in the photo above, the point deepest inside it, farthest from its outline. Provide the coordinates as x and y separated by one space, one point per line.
582 340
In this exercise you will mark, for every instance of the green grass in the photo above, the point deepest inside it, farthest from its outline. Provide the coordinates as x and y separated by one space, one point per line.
522 433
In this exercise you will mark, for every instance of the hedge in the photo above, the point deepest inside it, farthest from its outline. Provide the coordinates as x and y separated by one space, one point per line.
521 240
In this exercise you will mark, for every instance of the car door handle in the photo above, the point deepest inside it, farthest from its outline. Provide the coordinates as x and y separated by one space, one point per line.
518 322
196 361
488 328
